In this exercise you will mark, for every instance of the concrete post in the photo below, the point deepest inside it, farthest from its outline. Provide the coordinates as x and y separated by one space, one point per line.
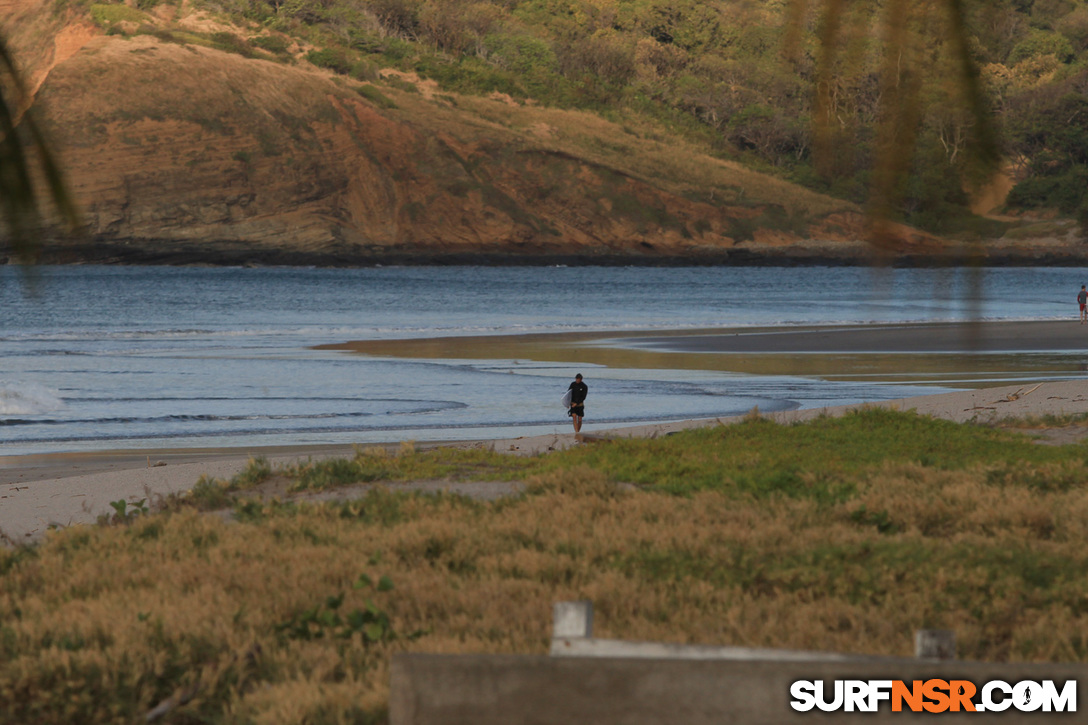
935 644
573 620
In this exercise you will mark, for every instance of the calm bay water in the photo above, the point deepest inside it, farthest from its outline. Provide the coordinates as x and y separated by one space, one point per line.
131 357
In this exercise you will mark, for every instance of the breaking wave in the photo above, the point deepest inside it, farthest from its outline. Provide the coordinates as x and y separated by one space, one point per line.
28 399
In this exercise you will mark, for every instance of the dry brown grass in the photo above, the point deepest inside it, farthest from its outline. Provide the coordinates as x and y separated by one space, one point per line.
100 624
638 147
277 103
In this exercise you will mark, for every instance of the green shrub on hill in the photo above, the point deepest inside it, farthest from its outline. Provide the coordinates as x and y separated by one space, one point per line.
1039 43
375 96
473 76
231 43
109 15
272 43
332 58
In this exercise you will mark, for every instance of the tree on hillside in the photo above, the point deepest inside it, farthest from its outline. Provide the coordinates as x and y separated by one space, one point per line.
1048 130
26 166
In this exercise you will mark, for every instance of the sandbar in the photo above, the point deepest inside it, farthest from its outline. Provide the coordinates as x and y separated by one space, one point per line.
1046 336
962 354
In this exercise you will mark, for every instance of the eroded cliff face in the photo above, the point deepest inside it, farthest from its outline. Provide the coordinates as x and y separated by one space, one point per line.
181 153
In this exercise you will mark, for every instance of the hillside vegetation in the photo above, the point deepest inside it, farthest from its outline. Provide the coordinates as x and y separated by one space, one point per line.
686 127
186 141
716 71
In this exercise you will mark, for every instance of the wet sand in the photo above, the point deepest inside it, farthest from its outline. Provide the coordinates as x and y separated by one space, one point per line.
936 338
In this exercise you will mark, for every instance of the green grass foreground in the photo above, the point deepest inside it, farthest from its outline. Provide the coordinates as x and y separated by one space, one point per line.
839 534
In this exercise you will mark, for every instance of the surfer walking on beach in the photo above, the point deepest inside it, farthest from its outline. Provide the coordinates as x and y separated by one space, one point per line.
1082 298
578 392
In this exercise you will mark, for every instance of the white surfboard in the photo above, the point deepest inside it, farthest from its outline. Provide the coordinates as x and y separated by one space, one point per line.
566 398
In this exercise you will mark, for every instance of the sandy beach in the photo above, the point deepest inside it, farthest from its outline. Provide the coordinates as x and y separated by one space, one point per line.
37 492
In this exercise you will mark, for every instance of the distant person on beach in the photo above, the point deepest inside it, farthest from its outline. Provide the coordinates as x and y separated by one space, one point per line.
578 392
1082 298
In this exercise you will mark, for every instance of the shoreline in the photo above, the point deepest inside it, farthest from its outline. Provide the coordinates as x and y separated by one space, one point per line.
70 489
744 347
40 490
1044 251
822 350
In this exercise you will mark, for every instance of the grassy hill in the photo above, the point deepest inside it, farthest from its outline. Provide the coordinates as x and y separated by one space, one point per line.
346 131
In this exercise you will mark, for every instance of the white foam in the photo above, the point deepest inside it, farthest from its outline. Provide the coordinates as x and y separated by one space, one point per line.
28 399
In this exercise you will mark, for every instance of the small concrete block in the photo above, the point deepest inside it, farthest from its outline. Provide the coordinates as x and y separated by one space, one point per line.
573 619
935 644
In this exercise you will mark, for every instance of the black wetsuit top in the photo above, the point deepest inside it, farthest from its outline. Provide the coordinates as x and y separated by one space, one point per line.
578 394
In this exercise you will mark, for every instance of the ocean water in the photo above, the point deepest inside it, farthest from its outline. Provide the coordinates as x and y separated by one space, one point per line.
97 357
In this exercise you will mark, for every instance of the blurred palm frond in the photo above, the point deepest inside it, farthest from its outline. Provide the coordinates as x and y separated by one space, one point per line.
28 168
911 31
